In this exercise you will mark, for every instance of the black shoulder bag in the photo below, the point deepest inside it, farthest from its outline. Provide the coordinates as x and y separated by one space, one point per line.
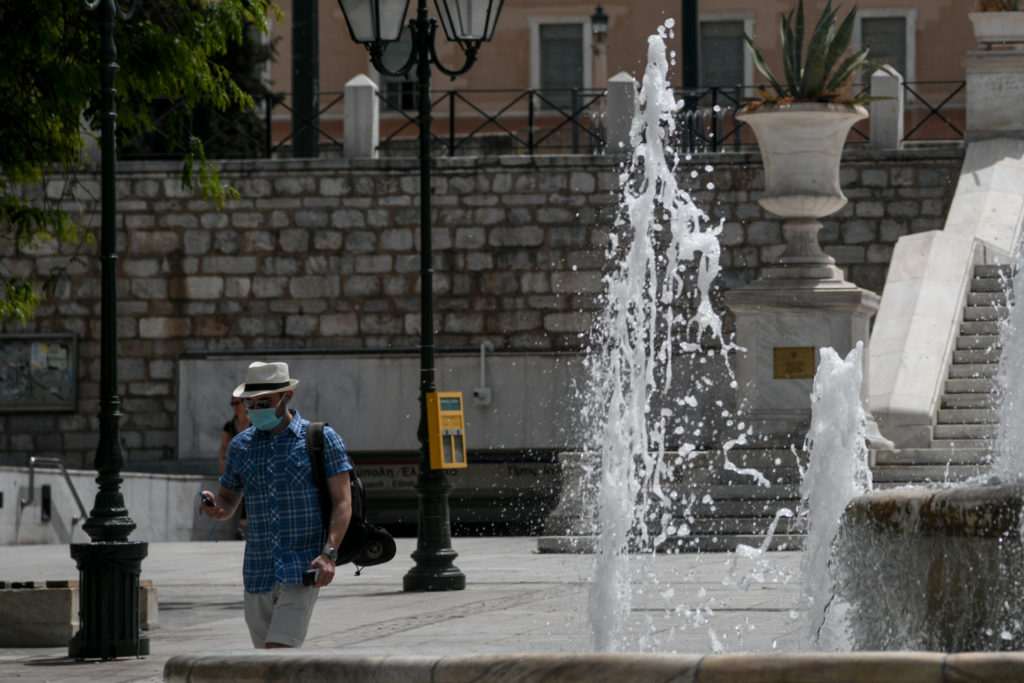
364 544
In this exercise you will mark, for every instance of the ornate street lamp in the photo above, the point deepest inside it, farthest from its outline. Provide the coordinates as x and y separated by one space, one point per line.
599 24
108 567
375 23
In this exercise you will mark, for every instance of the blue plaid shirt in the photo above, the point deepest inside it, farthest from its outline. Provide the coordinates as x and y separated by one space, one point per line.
284 531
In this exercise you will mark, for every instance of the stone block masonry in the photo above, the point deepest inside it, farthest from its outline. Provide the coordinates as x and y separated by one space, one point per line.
323 254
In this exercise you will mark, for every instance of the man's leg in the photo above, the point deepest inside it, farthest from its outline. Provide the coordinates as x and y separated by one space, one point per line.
292 610
259 609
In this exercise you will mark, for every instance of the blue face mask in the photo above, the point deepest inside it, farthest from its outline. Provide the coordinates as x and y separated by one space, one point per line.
264 419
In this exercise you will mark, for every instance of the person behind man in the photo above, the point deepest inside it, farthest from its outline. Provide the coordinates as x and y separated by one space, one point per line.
270 465
237 424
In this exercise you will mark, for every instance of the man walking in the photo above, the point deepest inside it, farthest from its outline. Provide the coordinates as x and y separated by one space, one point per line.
269 463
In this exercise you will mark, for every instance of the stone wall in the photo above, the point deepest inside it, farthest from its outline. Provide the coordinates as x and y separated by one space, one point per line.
323 254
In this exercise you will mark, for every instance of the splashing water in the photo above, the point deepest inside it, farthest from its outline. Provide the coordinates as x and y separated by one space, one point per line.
669 257
836 472
1008 461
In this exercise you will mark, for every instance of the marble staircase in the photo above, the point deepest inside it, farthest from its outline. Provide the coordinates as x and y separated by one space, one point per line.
966 423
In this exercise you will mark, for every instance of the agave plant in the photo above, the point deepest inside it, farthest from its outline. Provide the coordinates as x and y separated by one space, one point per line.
821 76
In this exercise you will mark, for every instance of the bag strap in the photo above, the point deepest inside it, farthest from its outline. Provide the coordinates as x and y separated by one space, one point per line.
315 445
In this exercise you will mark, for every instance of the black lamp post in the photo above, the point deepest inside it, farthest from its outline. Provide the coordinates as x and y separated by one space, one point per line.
108 567
374 24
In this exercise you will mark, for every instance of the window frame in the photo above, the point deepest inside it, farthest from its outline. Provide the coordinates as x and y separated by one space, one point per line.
586 47
748 28
909 15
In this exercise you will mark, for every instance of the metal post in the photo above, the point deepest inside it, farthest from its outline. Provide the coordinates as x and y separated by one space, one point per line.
109 567
434 569
691 45
305 79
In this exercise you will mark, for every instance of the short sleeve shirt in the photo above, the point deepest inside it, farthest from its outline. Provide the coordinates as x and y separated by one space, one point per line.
284 531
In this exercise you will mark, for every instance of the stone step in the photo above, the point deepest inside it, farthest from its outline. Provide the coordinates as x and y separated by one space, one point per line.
989 284
980 327
904 457
762 458
743 508
982 355
961 431
722 492
985 386
956 445
984 313
926 473
967 416
976 401
725 543
738 525
973 370
990 298
995 271
775 475
979 341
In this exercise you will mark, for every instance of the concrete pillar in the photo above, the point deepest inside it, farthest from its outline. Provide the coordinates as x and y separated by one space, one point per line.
362 118
887 115
995 94
620 110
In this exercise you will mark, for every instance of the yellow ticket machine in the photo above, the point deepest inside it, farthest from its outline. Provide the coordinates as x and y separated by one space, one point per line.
447 430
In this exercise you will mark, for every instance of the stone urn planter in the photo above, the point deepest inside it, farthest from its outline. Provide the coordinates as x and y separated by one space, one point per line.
998 29
801 147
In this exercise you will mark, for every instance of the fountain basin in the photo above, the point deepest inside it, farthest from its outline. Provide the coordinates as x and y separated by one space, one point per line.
934 569
322 665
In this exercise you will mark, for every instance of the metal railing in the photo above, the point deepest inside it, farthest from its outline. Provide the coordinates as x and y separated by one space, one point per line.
528 121
25 502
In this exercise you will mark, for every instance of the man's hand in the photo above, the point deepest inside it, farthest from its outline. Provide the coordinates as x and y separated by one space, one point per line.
213 507
326 567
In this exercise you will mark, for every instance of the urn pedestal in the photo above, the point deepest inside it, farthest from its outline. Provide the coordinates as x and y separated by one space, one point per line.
802 302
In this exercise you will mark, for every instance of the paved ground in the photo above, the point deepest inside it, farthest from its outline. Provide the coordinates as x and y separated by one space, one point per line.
516 600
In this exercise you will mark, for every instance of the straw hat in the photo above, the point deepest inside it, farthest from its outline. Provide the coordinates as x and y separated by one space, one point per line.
265 378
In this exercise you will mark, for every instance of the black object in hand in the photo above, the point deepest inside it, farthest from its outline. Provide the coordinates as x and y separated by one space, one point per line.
208 501
310 576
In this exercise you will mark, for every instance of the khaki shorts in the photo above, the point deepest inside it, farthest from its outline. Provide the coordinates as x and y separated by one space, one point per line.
280 616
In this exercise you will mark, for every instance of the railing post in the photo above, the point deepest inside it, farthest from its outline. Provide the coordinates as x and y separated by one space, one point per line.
575 107
530 122
451 123
619 113
362 118
268 141
886 121
715 122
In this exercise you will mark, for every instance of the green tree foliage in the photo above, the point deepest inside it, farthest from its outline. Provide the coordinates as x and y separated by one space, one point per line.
169 50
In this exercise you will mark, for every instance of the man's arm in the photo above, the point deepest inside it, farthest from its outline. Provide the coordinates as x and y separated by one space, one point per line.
341 515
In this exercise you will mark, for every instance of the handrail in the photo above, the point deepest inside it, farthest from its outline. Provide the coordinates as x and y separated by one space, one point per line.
67 477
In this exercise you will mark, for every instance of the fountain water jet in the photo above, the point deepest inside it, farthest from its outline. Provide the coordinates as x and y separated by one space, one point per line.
669 258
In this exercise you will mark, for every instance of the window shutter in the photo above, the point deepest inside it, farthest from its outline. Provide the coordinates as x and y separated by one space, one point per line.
561 61
721 53
887 38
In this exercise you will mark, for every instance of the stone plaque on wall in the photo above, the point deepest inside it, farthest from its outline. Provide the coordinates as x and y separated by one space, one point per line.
793 362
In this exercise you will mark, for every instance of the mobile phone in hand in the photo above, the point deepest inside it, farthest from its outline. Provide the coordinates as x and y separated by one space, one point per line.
208 501
310 576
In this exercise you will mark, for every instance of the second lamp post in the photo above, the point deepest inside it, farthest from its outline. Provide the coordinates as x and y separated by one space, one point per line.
469 23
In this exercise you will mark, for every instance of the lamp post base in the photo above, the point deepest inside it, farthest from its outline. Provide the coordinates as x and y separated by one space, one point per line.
434 556
431 574
108 600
